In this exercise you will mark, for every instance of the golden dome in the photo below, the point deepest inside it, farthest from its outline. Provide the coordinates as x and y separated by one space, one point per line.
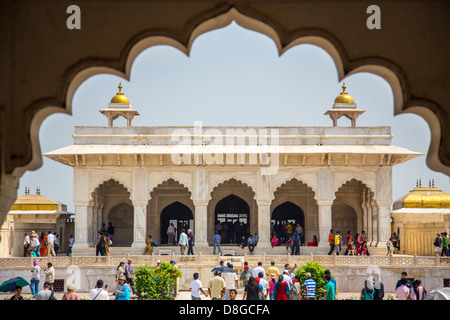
344 97
120 97
422 197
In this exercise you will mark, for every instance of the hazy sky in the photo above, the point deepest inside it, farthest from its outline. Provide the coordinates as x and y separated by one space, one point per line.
233 77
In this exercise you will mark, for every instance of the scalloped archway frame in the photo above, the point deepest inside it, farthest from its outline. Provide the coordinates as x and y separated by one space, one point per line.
178 24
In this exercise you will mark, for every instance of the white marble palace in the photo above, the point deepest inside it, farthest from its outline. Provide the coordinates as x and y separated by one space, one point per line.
248 179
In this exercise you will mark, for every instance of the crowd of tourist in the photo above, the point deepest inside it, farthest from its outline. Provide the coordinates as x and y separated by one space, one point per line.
441 245
257 284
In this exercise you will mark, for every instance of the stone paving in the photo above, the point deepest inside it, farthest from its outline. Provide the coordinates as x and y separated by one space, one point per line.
182 295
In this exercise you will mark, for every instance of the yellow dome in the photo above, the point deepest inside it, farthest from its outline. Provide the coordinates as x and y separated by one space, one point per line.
120 97
344 97
424 198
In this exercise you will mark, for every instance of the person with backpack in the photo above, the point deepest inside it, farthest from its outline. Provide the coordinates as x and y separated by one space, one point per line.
418 292
444 252
368 292
295 249
437 244
331 242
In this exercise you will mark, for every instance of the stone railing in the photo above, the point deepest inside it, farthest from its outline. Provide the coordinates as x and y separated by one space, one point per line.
213 260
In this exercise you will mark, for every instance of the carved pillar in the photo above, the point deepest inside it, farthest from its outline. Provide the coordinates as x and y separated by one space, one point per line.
324 222
81 203
200 225
81 226
264 224
383 199
140 224
139 197
325 198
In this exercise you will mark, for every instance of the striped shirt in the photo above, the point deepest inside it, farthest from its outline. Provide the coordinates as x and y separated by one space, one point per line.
311 285
217 238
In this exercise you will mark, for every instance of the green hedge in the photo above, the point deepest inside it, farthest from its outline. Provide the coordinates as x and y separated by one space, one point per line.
156 283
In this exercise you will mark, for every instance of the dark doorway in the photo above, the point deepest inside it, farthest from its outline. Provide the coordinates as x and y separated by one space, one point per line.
180 216
232 219
122 218
284 214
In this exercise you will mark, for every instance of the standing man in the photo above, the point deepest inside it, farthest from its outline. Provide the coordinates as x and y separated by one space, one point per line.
217 239
51 244
337 243
196 288
56 243
26 245
190 242
110 232
231 281
170 234
330 289
71 242
183 242
129 274
444 252
50 275
258 269
35 278
296 241
310 287
216 286
403 291
273 270
265 285
44 294
98 293
331 242
437 245
399 282
299 230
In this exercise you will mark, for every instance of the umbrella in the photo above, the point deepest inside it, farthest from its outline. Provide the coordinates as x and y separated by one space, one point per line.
11 284
224 269
439 294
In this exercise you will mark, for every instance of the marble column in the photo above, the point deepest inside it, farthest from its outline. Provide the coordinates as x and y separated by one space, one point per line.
81 226
201 223
325 198
139 225
264 224
384 223
324 222
82 211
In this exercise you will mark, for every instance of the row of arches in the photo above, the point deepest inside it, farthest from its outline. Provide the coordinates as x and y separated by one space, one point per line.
232 210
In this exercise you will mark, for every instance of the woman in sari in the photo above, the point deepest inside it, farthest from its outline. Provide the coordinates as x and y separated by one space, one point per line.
43 240
123 289
358 244
281 289
106 242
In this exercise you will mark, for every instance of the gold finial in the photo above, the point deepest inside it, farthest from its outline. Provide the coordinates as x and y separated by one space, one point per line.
120 88
120 96
343 89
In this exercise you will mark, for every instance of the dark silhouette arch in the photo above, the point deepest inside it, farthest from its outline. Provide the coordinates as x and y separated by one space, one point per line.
178 214
285 213
233 215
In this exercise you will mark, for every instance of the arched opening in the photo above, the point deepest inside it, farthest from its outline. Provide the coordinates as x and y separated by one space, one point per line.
179 216
232 201
111 203
121 217
294 202
232 219
344 219
285 219
355 209
170 202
